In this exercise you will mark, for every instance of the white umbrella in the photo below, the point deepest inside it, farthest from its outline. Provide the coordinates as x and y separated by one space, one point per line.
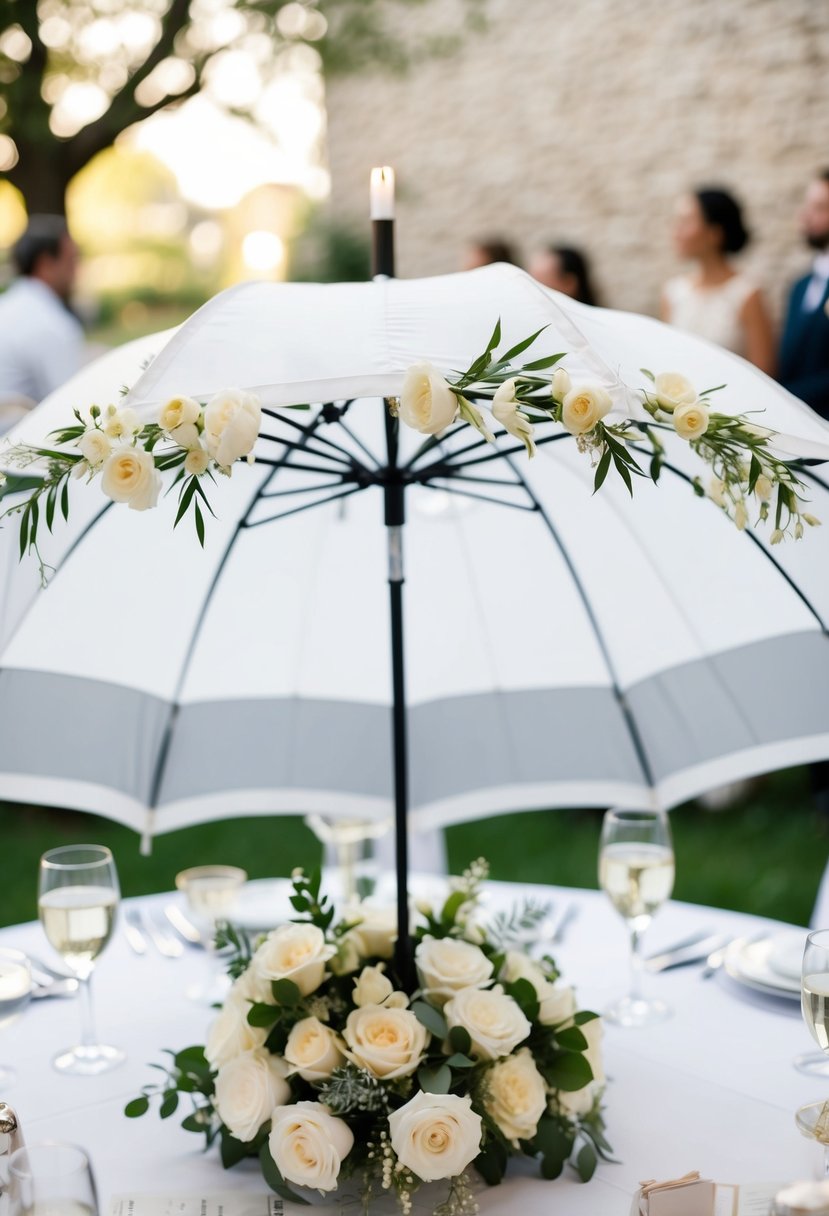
575 649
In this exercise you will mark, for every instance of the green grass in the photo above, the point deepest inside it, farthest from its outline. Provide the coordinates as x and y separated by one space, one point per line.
764 855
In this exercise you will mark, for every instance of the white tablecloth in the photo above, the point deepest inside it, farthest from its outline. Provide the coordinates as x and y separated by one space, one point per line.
712 1089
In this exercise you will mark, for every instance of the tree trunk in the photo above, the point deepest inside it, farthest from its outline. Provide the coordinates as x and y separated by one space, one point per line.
42 176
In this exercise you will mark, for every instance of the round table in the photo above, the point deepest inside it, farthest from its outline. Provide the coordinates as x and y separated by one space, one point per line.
713 1088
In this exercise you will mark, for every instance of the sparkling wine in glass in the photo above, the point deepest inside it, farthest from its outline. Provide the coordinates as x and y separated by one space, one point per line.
813 1119
77 901
51 1179
636 872
15 991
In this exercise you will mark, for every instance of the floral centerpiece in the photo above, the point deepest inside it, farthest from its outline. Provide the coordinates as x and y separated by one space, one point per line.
323 1066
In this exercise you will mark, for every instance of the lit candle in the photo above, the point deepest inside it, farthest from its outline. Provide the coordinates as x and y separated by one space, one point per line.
382 194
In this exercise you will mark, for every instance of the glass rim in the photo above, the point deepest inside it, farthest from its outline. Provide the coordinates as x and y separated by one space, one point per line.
194 873
50 861
19 1153
812 939
19 956
634 816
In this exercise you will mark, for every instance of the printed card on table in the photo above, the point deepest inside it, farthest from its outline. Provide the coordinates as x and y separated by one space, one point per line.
231 1203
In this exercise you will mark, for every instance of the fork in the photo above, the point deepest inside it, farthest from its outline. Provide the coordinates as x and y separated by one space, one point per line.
563 924
164 943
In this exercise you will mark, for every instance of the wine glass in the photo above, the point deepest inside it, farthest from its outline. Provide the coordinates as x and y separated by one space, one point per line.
51 1179
211 893
636 872
15 991
813 1119
77 900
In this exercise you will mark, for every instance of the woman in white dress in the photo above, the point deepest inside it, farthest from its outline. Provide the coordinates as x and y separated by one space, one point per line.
716 300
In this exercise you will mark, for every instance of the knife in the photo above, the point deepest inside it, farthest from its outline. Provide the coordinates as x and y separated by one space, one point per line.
184 927
132 933
696 952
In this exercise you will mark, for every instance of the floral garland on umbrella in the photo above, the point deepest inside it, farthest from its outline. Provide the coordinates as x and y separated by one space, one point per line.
197 440
322 1066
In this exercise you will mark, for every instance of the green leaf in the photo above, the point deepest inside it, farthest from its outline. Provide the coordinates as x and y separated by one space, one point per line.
520 347
539 365
649 375
569 1072
232 1151
656 466
286 992
459 1060
602 470
50 506
452 906
551 1140
584 1015
586 1162
185 500
524 994
199 525
274 1179
431 1018
572 1039
551 1167
24 532
491 1162
64 500
459 1040
622 470
195 1123
754 471
169 1104
435 1080
263 1015
136 1108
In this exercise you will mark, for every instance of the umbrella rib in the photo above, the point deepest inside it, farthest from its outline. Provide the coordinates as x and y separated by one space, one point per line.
302 468
499 502
308 506
295 447
755 540
356 439
618 692
325 485
317 438
499 454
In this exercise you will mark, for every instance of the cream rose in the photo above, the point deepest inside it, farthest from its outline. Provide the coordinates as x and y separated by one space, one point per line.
580 1101
671 390
375 932
186 436
505 409
231 1034
95 447
178 412
196 461
426 401
516 1095
691 421
387 1042
372 987
445 966
556 1002
493 1020
309 1144
313 1050
583 407
247 1090
121 424
231 425
436 1135
294 952
560 384
130 476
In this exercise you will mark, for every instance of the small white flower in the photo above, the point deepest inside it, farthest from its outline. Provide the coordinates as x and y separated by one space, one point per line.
776 536
372 987
560 384
583 407
740 515
95 447
121 424
716 491
672 390
505 410
196 461
763 488
811 520
177 412
691 421
426 401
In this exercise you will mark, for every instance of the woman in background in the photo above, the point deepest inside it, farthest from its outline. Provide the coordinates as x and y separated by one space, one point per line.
716 300
565 269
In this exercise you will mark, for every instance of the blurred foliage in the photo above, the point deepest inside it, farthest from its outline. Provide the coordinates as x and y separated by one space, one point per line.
329 252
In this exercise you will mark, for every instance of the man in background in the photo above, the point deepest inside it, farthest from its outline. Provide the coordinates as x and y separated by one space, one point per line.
804 350
41 340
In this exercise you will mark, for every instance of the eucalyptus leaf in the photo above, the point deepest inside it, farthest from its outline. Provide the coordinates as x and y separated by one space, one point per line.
431 1018
435 1080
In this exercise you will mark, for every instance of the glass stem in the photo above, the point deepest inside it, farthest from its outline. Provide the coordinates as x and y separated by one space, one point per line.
636 963
826 1161
88 1036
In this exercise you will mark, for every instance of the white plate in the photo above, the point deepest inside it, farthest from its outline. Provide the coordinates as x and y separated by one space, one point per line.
748 962
262 904
786 957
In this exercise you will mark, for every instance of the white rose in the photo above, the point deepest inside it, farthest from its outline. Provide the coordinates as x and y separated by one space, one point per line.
671 390
493 1020
556 1002
313 1050
376 930
347 958
252 987
294 952
94 446
130 476
580 1101
516 1095
231 1034
387 1042
247 1090
372 987
691 421
445 966
120 424
436 1135
231 425
186 436
583 407
196 461
426 401
177 412
505 410
560 384
308 1144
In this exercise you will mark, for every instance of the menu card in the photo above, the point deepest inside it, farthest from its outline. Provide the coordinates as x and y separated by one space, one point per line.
231 1203
695 1196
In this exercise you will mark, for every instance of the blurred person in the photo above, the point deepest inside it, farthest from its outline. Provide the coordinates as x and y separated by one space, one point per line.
804 348
565 269
484 253
41 340
716 300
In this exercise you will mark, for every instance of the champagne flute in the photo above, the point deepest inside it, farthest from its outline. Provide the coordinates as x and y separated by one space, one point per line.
77 900
15 991
813 1119
51 1179
636 872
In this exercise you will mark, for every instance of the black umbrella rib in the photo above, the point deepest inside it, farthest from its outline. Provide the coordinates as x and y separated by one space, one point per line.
755 540
308 506
618 692
446 466
292 446
337 447
302 468
499 502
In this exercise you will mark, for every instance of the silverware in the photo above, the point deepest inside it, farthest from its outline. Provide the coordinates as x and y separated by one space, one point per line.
184 927
132 931
67 987
683 942
695 952
164 943
563 924
717 957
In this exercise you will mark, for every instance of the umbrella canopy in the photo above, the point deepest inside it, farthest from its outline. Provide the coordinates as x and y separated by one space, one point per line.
561 648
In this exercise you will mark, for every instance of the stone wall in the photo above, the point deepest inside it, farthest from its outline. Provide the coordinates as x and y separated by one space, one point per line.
581 122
